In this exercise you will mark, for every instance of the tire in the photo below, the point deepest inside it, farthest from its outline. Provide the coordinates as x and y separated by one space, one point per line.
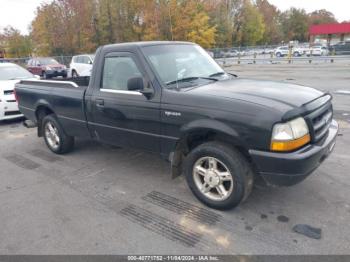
45 76
59 144
278 54
74 74
296 54
226 158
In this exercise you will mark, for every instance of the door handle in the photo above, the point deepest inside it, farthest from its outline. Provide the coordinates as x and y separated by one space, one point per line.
100 102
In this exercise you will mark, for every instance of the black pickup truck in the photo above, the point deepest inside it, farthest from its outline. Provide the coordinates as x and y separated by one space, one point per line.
172 98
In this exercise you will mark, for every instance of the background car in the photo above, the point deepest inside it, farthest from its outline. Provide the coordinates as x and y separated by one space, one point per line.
268 50
80 64
317 51
46 67
284 51
10 74
231 53
341 48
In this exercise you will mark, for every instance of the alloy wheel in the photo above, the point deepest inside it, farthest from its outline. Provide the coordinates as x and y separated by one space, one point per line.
213 178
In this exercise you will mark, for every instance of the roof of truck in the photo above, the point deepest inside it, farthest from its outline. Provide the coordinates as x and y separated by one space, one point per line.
148 43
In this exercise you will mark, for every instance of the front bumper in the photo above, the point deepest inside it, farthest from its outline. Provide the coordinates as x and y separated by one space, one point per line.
54 73
287 169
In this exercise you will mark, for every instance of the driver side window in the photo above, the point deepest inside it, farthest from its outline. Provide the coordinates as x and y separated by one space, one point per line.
117 71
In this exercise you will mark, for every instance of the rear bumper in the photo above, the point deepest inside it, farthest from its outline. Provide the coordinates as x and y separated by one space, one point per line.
286 169
9 110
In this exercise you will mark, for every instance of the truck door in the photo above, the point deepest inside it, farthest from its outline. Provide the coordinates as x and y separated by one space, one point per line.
122 117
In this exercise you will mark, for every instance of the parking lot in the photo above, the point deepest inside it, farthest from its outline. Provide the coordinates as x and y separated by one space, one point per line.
106 200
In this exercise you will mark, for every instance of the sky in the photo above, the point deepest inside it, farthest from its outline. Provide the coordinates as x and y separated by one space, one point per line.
20 13
340 8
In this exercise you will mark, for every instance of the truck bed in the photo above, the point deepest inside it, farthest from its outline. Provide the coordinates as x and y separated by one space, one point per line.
65 98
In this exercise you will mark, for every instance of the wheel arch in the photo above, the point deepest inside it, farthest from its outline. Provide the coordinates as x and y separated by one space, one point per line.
199 132
42 109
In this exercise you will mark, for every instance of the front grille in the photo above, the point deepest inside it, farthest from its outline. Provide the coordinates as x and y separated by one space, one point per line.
8 92
12 113
319 122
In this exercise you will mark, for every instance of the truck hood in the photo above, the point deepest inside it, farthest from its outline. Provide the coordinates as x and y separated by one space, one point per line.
266 93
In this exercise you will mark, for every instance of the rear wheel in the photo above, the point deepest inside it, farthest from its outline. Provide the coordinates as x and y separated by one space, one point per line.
54 136
278 54
295 54
218 175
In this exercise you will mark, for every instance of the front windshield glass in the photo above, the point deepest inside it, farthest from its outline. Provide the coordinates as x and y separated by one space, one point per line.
14 72
48 61
175 62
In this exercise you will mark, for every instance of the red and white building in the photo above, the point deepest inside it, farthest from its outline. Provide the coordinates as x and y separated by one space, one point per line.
329 33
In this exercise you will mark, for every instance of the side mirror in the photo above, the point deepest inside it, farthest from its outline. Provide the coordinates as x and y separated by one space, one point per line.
137 84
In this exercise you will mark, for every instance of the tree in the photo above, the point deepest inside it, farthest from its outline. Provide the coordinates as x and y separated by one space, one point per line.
295 24
249 25
321 17
15 44
271 16
190 22
66 27
221 13
201 32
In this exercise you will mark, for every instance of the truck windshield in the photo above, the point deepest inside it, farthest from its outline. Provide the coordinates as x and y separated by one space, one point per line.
176 63
14 72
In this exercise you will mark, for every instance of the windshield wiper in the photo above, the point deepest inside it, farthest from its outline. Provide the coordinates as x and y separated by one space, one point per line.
222 73
189 79
218 74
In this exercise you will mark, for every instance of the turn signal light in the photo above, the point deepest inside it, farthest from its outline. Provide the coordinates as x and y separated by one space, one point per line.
284 146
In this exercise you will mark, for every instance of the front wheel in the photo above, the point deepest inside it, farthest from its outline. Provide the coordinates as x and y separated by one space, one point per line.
218 175
74 74
56 139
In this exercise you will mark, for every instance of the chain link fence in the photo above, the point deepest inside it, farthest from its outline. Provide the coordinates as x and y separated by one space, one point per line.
64 60
288 53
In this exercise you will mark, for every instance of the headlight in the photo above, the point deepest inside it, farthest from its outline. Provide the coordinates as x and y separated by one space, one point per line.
48 68
290 136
